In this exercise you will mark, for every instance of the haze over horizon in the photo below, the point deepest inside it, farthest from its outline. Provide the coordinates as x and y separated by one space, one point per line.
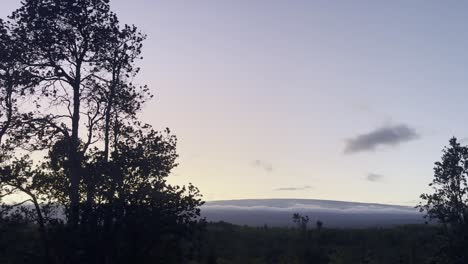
302 99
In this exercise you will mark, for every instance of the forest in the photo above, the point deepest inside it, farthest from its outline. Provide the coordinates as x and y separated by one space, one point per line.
226 243
84 180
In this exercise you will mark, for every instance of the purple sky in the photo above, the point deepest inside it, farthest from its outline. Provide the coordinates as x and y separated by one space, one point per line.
306 99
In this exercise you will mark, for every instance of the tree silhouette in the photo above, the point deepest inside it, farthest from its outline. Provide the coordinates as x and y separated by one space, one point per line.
14 80
78 52
72 64
448 204
319 225
301 221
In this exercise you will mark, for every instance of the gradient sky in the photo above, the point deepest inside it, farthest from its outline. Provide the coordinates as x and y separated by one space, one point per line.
266 96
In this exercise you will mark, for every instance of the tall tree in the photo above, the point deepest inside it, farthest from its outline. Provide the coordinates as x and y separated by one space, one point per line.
14 80
15 172
105 167
448 204
79 53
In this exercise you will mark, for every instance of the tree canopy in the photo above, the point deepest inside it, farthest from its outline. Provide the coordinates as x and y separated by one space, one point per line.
448 204
67 95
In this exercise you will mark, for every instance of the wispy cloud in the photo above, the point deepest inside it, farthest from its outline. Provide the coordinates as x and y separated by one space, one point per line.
314 206
374 177
265 165
384 136
303 188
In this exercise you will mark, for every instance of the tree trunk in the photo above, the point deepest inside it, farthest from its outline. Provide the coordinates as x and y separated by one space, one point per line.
42 229
74 156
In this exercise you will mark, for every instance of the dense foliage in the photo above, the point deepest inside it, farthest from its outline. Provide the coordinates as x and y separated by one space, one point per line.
224 243
448 204
96 189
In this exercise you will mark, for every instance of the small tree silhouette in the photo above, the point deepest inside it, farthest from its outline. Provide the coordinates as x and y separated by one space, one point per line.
301 221
319 225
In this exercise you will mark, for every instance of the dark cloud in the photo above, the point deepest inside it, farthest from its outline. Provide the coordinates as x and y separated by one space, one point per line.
265 165
303 188
373 177
385 136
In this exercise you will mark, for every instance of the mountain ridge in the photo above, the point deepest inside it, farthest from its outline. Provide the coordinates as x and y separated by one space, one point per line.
278 212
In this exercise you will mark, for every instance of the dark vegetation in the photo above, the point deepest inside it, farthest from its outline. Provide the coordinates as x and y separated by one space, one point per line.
226 243
236 244
96 190
83 180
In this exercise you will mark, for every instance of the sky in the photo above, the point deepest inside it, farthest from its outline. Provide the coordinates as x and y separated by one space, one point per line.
339 100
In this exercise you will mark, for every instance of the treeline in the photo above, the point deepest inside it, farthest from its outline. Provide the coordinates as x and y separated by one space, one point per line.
228 243
225 243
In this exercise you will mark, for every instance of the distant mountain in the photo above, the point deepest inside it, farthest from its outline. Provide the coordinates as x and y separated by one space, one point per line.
278 212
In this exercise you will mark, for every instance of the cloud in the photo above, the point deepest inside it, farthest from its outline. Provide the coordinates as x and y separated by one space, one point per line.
373 177
317 206
384 136
303 188
265 165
